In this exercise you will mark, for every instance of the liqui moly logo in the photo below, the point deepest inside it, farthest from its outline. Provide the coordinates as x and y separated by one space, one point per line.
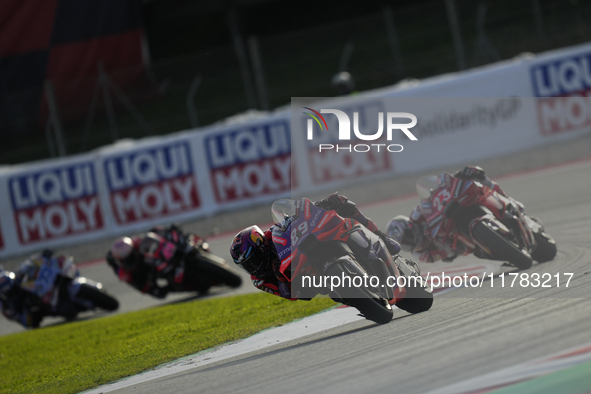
563 76
54 203
564 88
391 119
151 182
250 161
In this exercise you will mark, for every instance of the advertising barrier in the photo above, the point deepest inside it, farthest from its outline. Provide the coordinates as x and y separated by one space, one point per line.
448 130
49 203
249 161
564 85
132 185
150 182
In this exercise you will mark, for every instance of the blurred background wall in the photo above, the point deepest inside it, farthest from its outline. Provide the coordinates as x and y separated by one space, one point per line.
79 74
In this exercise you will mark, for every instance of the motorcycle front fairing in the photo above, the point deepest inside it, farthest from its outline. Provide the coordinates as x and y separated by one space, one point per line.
300 225
371 249
39 277
482 204
46 278
435 204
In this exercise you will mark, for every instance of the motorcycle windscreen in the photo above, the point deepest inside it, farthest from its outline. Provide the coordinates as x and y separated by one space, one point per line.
426 185
281 210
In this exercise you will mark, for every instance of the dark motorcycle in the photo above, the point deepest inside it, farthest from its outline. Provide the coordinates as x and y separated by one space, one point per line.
186 264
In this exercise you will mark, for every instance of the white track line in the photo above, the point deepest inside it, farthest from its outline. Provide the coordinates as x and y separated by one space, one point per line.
298 329
294 330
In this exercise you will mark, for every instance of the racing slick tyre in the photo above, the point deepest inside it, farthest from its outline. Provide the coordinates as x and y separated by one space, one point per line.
500 247
371 307
419 296
545 249
376 310
98 297
546 246
214 267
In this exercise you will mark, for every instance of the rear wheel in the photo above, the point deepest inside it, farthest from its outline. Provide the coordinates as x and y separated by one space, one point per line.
98 297
500 247
213 268
419 296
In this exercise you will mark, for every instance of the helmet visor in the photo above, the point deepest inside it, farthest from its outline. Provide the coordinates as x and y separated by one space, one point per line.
252 261
131 261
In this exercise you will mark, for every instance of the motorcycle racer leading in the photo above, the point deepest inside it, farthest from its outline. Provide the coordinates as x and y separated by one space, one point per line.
253 250
410 232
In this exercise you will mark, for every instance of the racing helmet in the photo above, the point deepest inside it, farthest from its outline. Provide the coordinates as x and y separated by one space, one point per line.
125 254
403 231
7 283
250 250
343 83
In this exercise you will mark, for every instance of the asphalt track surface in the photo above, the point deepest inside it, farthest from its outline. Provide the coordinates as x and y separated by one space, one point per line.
363 193
467 333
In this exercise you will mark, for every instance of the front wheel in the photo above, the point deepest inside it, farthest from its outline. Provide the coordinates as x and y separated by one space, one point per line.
376 310
212 267
98 297
419 296
371 306
545 249
500 247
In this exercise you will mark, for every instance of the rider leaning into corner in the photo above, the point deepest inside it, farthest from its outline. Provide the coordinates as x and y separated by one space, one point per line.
22 306
410 232
253 250
128 260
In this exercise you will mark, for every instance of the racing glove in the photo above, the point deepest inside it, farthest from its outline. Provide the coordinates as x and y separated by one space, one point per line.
338 203
471 172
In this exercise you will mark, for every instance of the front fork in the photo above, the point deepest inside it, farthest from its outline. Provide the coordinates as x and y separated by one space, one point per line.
74 288
511 214
524 228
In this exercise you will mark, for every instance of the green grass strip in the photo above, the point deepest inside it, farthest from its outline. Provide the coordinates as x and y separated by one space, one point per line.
573 380
72 357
